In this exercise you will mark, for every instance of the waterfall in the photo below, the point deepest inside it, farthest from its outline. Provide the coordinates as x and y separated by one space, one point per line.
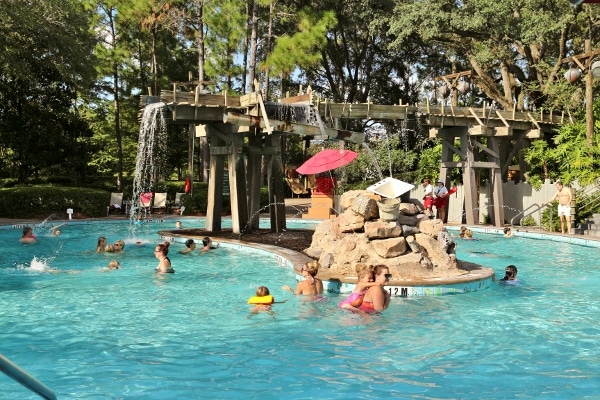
151 153
375 162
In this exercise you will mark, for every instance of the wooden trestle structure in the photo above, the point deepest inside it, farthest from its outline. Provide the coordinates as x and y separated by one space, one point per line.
242 129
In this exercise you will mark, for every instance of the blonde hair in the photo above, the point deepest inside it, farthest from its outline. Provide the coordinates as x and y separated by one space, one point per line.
109 248
114 264
262 291
469 233
463 229
362 270
312 267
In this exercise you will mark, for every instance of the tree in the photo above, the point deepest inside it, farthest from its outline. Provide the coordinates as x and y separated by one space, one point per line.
47 61
512 47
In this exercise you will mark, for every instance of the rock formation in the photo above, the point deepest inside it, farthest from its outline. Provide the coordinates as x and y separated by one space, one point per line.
411 244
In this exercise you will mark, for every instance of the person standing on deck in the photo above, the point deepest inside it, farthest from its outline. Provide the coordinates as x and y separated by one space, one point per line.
564 206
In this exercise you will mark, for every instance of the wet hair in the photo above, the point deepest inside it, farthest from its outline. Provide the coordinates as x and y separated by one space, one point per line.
469 233
121 243
27 230
109 248
262 291
114 264
506 230
206 241
312 267
163 248
462 231
189 243
510 272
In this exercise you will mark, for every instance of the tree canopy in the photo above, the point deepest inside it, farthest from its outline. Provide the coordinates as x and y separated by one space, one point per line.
72 71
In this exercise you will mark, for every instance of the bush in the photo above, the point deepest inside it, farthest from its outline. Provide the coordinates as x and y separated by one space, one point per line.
43 201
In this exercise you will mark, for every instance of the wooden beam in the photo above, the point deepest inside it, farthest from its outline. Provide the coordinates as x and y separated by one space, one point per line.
298 129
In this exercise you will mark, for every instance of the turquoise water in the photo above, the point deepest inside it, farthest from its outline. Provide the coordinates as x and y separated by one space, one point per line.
132 334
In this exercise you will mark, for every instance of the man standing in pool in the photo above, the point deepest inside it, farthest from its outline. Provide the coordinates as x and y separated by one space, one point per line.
564 206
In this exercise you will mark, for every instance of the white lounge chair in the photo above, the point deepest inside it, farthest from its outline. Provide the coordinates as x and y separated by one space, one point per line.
115 204
160 202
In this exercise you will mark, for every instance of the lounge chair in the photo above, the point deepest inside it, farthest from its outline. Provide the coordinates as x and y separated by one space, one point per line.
115 204
160 202
296 186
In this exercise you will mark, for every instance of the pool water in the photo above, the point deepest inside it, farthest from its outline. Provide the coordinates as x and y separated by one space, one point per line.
131 333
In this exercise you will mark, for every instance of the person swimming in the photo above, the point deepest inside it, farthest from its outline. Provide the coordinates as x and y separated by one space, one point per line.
510 273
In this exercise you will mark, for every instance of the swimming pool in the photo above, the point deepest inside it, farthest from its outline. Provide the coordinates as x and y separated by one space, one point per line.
132 334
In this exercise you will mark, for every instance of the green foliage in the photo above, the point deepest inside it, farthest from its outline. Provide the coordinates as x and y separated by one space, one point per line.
528 221
551 211
43 201
569 159
303 48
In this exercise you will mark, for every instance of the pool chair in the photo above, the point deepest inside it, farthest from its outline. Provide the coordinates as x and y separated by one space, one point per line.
160 202
115 204
177 206
296 186
145 202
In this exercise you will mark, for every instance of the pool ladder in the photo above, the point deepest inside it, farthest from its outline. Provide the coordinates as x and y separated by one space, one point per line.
530 210
18 374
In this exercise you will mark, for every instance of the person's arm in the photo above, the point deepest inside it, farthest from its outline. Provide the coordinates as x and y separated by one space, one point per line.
289 288
552 199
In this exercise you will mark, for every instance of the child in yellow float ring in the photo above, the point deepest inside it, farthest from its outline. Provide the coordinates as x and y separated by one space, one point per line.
263 300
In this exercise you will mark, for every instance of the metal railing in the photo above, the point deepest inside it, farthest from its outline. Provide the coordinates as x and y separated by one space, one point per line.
18 374
530 210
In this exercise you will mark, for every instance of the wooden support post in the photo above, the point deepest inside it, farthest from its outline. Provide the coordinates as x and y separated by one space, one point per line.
237 185
471 200
254 176
215 184
496 183
275 180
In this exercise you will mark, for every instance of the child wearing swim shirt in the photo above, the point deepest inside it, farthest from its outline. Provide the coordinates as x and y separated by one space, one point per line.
365 281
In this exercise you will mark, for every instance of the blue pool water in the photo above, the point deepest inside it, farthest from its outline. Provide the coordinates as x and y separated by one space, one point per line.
132 334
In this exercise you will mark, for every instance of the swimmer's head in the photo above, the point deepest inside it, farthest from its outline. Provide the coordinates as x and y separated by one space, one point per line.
57 232
114 264
262 291
190 243
510 273
206 241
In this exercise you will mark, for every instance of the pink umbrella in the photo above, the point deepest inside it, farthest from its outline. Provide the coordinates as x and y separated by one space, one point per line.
326 160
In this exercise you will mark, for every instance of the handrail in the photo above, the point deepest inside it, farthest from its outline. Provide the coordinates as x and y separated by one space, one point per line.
18 374
538 209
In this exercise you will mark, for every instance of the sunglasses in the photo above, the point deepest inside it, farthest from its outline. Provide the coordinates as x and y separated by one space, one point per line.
388 276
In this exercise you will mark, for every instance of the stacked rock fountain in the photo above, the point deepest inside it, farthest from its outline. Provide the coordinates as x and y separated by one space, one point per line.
412 245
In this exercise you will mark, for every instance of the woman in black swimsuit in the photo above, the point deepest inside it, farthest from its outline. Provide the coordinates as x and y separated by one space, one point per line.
164 264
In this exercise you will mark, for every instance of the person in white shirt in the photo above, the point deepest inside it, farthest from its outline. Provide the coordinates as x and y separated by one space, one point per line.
428 197
440 194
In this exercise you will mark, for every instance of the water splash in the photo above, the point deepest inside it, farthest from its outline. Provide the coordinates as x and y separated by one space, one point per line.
375 162
150 160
